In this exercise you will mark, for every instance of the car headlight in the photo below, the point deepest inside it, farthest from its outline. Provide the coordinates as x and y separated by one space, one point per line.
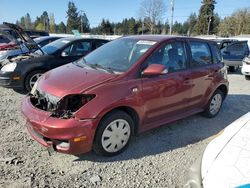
9 67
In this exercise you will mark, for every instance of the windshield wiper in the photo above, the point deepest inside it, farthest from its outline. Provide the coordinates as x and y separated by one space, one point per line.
98 66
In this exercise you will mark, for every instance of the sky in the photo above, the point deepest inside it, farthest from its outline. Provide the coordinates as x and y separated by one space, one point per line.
114 10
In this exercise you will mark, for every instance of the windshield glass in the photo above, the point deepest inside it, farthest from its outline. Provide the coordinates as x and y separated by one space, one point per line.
118 55
54 46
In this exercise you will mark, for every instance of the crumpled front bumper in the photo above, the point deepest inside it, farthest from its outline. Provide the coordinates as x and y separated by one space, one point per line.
52 132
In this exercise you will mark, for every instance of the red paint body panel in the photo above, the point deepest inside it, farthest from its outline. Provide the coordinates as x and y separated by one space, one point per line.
156 100
42 127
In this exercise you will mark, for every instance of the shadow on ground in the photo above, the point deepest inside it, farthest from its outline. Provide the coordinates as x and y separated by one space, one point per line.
180 133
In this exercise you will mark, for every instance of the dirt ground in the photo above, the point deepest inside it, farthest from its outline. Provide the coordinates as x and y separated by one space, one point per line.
158 158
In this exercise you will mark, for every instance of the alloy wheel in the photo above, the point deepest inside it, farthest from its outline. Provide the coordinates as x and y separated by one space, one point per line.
34 78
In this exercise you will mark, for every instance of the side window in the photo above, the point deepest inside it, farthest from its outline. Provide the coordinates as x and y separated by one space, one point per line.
201 54
171 55
237 49
98 44
216 53
78 49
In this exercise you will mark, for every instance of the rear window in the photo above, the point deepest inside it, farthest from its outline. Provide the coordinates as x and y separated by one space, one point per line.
201 54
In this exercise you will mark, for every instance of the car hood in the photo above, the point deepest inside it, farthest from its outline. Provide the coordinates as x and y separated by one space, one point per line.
226 160
72 79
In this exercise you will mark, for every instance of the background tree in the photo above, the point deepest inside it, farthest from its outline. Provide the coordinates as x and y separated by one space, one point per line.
62 28
27 21
52 24
205 23
152 11
45 20
238 23
84 22
73 21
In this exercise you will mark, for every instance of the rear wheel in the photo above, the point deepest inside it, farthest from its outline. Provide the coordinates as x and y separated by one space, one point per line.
214 104
113 134
31 79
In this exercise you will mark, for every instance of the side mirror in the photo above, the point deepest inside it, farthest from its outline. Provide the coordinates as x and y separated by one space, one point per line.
64 54
154 70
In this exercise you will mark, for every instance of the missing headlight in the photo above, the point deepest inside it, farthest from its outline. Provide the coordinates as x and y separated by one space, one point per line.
70 104
61 108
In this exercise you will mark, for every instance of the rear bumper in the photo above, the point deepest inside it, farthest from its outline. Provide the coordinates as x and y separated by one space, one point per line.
69 136
11 80
233 62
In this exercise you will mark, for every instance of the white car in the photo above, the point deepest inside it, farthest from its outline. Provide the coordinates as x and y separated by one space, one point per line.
246 67
226 160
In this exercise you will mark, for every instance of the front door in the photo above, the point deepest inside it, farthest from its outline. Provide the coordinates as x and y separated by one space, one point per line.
165 96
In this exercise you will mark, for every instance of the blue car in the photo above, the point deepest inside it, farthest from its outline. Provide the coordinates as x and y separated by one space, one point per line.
234 53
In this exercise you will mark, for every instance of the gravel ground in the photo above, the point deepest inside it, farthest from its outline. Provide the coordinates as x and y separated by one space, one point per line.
158 158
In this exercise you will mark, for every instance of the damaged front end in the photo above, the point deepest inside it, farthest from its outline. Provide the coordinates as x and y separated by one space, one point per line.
63 108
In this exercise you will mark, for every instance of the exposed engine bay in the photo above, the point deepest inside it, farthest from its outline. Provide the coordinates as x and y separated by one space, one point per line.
60 108
19 58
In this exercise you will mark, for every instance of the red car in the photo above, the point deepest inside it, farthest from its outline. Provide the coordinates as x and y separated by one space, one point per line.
125 87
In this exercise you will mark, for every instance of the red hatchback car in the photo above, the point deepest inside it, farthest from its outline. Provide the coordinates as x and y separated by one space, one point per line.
125 87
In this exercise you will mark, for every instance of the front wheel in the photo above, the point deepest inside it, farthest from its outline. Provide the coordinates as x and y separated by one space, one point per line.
31 79
113 134
214 104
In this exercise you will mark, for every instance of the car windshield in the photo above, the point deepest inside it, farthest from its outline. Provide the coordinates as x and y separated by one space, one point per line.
54 46
118 55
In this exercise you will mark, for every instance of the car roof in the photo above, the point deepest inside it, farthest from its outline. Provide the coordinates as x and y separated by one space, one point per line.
74 38
42 38
160 38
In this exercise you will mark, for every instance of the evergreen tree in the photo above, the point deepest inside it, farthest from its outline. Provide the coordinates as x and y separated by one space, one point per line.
52 24
73 21
27 21
131 26
205 23
62 28
45 20
84 23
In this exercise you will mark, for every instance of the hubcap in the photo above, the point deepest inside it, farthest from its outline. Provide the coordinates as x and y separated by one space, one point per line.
34 78
116 135
215 104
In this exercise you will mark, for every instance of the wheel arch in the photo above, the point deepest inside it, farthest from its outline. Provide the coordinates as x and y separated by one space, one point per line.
127 109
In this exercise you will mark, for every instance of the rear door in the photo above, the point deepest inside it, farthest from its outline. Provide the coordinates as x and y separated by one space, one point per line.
202 69
166 95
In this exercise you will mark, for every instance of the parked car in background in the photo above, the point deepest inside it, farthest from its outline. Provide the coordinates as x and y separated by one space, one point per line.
245 70
14 41
125 87
222 43
42 41
234 53
226 160
22 72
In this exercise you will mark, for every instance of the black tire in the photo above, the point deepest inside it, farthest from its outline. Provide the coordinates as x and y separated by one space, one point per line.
28 77
231 68
208 110
247 77
104 123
